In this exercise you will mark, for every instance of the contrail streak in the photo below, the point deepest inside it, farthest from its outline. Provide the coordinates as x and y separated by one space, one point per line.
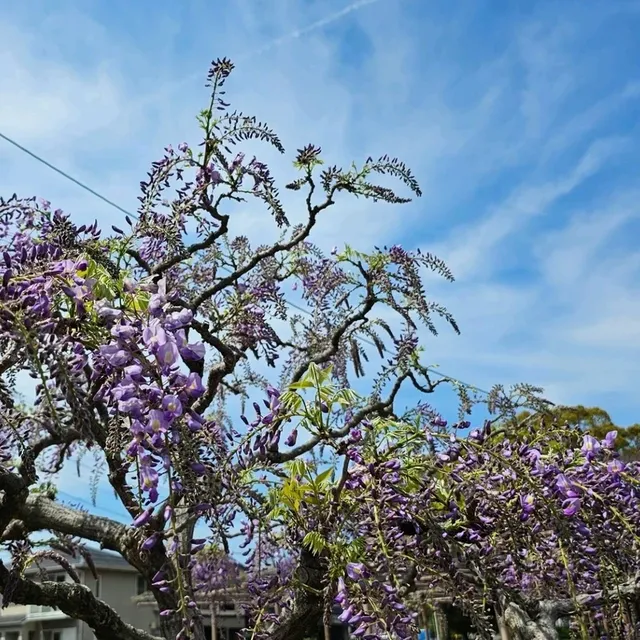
265 48
318 24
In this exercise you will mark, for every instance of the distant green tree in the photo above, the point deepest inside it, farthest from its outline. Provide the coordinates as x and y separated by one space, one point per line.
592 420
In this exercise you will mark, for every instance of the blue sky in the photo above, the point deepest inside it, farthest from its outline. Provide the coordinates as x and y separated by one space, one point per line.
520 120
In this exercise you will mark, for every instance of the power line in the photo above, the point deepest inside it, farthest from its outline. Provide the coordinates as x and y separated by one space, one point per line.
62 173
136 217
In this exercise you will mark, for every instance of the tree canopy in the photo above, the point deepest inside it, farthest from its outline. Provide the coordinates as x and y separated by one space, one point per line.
592 420
169 348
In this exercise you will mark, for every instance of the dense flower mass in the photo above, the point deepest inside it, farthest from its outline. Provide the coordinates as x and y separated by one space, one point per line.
229 430
489 517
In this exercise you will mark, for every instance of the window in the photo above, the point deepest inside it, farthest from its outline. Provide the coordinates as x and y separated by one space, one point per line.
52 635
142 586
227 606
97 587
60 577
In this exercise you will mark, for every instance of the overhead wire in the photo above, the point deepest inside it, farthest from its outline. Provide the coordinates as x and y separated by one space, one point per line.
62 173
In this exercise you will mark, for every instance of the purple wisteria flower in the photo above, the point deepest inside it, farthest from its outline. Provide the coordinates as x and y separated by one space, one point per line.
154 336
167 354
193 385
357 571
172 406
157 421
590 446
571 506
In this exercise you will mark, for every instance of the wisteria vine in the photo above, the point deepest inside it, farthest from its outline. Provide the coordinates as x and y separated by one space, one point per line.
303 495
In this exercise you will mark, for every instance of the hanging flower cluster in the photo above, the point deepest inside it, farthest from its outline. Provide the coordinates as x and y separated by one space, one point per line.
527 519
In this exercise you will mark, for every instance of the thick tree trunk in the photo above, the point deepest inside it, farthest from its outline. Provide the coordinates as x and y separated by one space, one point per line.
170 628
309 607
76 600
522 627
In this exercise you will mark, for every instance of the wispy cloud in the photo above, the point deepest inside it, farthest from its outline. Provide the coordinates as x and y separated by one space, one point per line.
251 54
473 247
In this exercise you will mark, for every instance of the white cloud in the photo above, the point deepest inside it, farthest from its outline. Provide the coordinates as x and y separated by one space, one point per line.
568 256
473 246
296 34
46 102
571 327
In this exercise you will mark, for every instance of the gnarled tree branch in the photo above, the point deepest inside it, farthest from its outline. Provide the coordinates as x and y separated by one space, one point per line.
41 513
76 600
273 250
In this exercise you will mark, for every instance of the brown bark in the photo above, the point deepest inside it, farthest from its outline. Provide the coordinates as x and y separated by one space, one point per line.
309 607
523 627
543 625
39 513
13 492
502 627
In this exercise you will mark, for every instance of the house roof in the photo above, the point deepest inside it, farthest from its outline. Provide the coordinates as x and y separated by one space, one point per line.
101 559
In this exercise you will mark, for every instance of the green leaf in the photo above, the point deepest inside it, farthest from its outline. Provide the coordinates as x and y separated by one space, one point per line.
302 384
325 374
298 467
355 549
314 374
323 478
291 400
291 494
314 541
345 397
